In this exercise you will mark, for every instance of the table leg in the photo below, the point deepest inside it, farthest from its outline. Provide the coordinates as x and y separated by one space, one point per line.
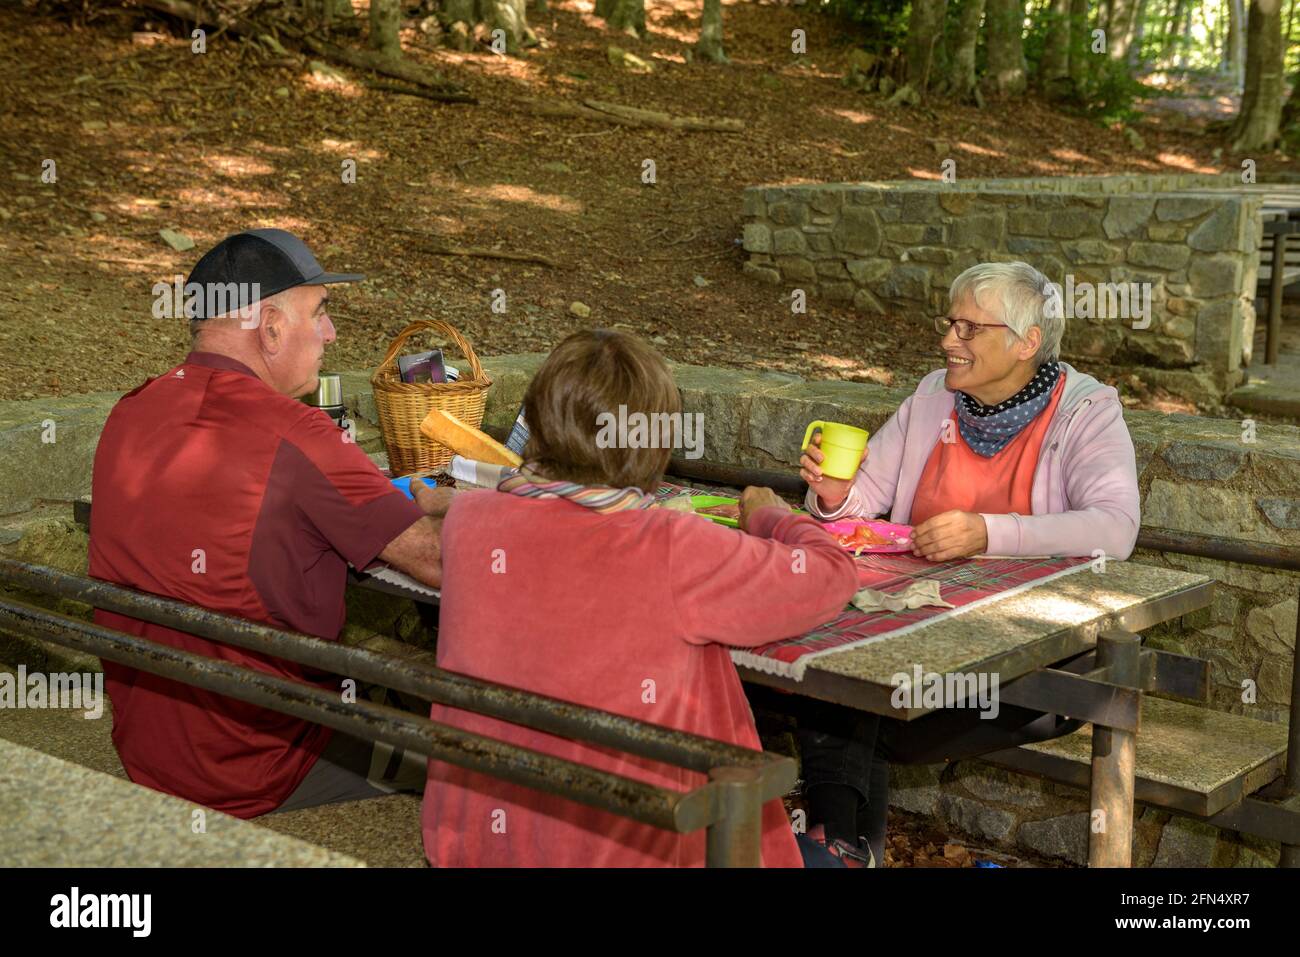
1110 839
1273 341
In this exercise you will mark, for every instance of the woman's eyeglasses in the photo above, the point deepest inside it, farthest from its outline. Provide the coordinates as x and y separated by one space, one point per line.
966 330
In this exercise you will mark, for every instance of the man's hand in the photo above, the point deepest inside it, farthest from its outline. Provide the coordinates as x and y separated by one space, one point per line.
831 492
418 551
434 501
754 498
950 535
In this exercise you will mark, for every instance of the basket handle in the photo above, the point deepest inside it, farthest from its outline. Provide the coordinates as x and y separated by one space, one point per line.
434 325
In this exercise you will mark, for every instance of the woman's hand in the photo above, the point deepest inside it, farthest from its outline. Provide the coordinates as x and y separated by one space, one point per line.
831 492
950 535
754 498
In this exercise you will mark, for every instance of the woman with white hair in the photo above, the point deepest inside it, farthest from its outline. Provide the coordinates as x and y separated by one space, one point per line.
1004 451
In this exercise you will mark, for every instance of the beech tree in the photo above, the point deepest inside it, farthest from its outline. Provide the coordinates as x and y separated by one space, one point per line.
1005 26
625 15
1259 119
709 45
924 32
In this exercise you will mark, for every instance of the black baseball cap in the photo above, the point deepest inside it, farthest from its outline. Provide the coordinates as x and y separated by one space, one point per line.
250 266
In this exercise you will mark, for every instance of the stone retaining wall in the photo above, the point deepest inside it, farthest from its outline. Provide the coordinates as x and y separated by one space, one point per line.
1197 474
898 246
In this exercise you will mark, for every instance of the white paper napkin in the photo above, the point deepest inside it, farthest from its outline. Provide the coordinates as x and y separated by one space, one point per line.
919 594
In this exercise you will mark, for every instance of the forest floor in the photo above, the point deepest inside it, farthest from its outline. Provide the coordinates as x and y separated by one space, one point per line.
147 135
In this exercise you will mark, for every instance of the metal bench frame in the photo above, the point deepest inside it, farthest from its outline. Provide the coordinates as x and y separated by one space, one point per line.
729 806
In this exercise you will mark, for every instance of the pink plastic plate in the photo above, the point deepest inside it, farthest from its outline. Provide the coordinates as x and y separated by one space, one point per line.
900 536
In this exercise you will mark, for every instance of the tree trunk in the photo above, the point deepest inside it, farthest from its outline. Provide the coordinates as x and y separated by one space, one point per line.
1237 41
1006 48
1139 32
709 45
625 15
1259 120
508 16
1055 64
385 20
1169 48
1291 111
1119 28
1184 39
924 30
961 74
1081 56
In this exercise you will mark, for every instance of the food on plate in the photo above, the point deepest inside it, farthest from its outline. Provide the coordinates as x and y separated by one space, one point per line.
863 536
678 503
467 441
727 510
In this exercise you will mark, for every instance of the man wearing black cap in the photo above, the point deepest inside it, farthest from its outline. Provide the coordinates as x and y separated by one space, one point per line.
214 486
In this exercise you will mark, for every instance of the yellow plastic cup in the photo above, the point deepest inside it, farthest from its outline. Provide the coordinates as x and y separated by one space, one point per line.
842 446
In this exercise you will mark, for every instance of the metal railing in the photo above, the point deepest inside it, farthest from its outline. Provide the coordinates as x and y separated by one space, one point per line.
729 806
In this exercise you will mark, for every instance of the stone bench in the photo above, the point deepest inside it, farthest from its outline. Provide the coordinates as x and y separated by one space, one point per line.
52 815
1190 759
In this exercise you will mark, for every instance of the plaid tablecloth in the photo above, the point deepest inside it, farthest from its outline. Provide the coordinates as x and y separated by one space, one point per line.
967 583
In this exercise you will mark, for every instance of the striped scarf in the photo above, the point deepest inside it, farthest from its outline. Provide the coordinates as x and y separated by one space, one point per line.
598 498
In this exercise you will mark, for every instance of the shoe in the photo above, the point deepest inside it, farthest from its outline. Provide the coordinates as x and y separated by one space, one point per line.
843 851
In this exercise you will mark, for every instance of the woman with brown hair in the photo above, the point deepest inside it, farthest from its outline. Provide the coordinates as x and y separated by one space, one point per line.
565 582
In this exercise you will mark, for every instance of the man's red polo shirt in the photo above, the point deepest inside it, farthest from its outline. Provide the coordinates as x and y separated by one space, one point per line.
212 488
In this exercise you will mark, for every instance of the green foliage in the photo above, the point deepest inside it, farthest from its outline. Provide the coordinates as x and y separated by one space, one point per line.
882 24
1110 93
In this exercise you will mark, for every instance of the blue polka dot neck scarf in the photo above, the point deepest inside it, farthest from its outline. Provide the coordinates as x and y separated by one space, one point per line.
988 428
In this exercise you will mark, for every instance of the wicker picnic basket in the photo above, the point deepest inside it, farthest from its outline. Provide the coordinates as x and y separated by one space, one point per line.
402 406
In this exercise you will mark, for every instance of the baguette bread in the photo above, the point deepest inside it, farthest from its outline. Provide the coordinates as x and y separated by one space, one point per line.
466 441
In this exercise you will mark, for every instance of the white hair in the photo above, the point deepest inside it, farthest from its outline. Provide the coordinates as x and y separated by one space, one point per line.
1024 298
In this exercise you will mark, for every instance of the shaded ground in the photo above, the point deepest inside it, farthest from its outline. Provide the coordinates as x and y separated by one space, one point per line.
147 135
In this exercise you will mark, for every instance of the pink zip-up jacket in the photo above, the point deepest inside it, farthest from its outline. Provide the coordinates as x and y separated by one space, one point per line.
1085 492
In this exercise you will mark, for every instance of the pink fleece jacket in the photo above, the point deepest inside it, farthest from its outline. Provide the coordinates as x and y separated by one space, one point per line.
1085 491
630 612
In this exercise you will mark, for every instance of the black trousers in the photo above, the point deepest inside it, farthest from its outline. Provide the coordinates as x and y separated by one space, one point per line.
841 746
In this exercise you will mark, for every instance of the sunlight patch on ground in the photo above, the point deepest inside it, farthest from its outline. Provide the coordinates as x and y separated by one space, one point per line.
1072 156
1184 162
852 369
853 116
979 150
339 84
511 193
350 148
923 173
226 197
230 165
1046 167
